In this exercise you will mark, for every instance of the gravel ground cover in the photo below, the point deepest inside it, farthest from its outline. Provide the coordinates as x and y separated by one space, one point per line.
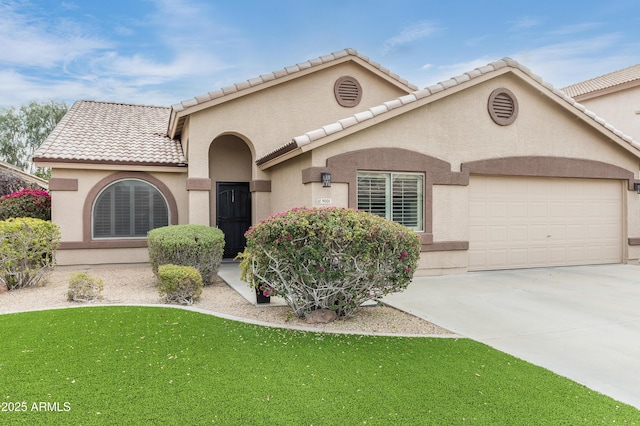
136 285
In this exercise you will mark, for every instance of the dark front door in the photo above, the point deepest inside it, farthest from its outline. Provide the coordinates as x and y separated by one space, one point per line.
233 214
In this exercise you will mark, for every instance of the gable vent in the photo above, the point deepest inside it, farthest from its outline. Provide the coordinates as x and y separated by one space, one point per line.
348 91
503 106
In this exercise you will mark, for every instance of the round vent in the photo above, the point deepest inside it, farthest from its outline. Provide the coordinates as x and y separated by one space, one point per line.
503 106
348 91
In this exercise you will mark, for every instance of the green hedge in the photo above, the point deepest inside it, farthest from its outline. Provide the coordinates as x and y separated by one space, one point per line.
27 251
179 284
198 246
332 258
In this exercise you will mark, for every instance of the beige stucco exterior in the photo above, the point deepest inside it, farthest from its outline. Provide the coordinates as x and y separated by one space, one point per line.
449 136
458 129
71 210
619 106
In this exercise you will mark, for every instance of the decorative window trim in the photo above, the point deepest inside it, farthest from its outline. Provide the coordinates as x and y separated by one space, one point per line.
133 214
347 91
88 242
344 168
503 106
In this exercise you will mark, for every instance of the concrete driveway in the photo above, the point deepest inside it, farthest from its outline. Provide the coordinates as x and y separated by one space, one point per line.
580 322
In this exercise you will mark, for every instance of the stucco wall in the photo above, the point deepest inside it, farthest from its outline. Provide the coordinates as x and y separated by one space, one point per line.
458 129
287 190
271 117
622 109
68 211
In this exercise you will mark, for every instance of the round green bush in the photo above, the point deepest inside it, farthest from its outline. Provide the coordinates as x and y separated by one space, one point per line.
27 202
84 288
331 258
27 250
179 284
198 246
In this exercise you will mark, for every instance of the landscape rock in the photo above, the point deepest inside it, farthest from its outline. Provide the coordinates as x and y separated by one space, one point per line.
3 288
321 316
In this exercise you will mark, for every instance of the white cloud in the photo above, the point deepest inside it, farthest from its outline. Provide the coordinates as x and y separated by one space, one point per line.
36 42
575 28
409 34
445 72
45 56
524 23
569 62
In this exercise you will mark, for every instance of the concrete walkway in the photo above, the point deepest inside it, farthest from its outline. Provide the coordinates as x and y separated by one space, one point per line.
580 322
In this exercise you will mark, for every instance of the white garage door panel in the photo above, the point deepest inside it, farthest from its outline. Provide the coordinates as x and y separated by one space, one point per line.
521 222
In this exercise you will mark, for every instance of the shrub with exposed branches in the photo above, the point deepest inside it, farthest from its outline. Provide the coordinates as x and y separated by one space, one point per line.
27 251
331 258
179 284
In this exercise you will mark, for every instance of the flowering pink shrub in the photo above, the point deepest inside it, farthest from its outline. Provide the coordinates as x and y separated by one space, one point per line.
34 203
332 258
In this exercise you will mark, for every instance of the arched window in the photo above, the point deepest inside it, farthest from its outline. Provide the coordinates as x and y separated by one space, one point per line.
128 208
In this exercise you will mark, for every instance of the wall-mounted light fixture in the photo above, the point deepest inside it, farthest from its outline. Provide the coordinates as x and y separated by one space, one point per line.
636 186
326 179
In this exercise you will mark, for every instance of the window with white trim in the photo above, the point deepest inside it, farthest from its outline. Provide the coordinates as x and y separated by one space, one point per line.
129 209
395 196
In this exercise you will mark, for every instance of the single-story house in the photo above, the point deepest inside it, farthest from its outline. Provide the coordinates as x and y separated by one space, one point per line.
614 96
493 169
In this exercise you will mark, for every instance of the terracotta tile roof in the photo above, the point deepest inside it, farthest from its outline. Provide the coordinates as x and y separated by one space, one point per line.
105 132
403 102
603 82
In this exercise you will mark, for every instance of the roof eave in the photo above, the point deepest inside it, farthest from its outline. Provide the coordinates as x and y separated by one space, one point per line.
106 164
607 91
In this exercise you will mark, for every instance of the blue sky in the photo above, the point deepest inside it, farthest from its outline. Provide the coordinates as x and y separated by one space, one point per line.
160 52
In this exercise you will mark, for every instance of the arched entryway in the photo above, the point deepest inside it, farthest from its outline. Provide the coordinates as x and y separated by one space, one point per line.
230 163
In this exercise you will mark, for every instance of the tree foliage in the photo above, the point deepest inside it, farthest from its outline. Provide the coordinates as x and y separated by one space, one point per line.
11 182
23 130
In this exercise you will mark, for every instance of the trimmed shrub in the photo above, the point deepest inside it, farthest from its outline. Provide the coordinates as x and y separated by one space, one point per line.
179 284
199 246
329 258
27 251
84 288
27 202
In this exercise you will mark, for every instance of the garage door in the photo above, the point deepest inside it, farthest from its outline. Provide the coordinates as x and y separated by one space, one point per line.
522 222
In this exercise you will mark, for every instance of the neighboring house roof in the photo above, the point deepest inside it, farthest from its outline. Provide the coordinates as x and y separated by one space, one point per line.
181 110
611 82
376 114
112 133
29 178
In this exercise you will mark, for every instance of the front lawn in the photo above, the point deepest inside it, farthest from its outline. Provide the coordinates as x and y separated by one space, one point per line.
140 365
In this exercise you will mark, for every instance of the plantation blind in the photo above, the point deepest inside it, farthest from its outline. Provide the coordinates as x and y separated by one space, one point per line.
394 196
129 208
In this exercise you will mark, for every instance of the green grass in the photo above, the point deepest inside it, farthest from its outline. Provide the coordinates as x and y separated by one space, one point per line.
136 365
